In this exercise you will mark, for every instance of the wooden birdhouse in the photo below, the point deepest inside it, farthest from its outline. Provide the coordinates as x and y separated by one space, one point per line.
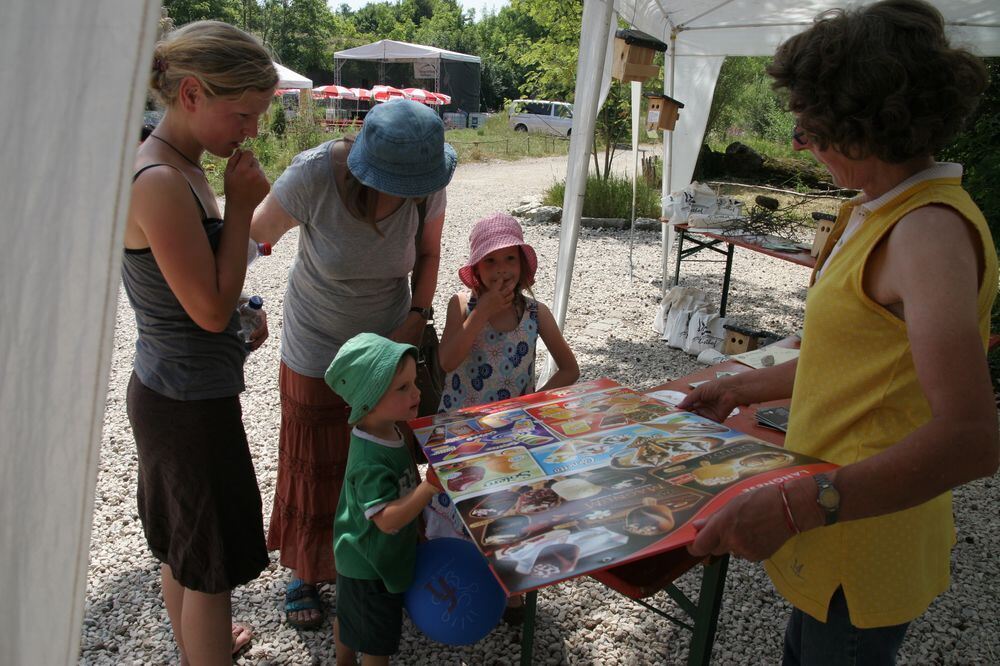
739 339
824 226
662 112
633 59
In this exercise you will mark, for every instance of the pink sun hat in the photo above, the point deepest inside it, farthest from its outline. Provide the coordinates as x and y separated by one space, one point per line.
495 232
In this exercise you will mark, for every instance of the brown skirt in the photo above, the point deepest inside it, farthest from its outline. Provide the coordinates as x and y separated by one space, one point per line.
197 492
312 455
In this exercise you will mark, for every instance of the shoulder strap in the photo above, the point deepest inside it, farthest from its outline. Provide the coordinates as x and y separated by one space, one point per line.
421 218
204 213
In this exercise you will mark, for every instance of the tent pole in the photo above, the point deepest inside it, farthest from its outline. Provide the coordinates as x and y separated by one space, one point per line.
597 17
636 105
667 230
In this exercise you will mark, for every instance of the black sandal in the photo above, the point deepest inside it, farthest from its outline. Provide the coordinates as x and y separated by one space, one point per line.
301 596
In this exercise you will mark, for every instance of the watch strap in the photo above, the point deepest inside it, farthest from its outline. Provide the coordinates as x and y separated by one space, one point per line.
426 313
825 488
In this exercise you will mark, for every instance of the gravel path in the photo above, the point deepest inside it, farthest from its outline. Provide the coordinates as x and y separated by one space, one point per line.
579 622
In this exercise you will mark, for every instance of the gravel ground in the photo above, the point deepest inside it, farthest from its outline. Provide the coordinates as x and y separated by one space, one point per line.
579 622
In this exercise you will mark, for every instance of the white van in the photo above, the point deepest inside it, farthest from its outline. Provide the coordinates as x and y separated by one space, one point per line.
539 115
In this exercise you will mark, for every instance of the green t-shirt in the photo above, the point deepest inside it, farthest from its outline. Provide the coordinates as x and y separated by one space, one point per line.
378 472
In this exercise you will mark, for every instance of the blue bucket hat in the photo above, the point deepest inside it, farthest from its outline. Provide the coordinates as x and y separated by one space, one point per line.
363 369
401 150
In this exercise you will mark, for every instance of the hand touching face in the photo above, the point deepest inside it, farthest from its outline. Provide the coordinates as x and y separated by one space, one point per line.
499 273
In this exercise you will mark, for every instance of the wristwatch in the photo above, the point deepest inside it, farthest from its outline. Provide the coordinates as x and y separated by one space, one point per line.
827 497
426 313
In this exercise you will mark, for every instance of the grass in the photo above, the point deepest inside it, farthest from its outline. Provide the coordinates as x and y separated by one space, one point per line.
495 140
611 197
275 149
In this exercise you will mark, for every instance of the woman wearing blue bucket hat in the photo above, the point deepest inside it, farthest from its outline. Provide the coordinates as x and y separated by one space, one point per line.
356 204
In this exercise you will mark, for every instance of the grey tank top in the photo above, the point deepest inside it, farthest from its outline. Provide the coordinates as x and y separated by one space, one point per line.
347 278
173 355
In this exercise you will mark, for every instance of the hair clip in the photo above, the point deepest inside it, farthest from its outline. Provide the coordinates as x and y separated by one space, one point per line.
159 65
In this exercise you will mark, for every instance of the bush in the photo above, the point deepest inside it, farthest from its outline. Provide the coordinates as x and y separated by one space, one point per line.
278 120
611 197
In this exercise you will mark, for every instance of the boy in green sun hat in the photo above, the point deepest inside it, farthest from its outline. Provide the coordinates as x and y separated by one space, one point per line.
375 531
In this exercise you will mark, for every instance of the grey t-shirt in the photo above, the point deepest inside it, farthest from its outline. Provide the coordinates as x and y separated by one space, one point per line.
346 279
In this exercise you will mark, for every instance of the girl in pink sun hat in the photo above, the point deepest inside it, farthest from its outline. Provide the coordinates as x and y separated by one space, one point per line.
488 343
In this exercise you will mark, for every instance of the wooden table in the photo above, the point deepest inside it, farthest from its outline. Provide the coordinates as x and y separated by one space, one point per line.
648 576
686 233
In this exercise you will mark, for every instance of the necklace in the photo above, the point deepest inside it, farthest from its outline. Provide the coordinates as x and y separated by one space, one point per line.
177 150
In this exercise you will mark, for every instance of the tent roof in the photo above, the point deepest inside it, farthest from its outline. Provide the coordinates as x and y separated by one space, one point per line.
393 51
289 79
752 28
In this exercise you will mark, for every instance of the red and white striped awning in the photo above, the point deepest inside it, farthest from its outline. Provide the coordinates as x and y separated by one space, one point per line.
385 93
426 96
333 91
438 99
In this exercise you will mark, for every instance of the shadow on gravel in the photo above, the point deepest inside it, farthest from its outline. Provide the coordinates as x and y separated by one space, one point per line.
638 364
124 615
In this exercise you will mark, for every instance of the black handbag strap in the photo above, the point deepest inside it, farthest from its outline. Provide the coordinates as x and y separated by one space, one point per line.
421 218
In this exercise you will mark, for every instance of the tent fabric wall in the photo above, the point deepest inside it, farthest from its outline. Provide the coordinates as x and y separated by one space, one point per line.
65 190
461 80
699 35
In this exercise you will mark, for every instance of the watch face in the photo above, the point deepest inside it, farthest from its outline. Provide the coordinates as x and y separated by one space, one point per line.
829 498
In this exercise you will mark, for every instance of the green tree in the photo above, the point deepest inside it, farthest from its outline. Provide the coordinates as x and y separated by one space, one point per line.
186 11
744 102
502 74
308 28
549 56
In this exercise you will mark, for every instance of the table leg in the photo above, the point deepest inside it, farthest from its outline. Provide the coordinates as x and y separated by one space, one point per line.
677 264
706 619
730 248
528 628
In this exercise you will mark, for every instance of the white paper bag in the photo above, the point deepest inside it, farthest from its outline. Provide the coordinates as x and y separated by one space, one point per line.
698 206
705 331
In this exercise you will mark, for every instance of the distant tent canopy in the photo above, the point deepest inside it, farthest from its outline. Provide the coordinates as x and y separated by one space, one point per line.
412 66
289 79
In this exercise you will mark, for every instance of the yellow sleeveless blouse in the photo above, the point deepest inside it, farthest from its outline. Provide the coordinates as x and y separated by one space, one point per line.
856 393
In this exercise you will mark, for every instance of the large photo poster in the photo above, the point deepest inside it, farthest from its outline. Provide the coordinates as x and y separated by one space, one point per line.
556 485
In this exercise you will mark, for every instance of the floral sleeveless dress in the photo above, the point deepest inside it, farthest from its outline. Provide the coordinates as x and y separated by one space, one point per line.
500 365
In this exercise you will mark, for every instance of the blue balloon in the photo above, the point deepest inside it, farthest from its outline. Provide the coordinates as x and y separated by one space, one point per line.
454 598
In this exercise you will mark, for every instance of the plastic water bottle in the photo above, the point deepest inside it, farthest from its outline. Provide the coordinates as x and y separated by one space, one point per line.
255 249
250 317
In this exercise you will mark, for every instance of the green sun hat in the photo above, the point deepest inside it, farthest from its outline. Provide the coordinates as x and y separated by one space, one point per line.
363 369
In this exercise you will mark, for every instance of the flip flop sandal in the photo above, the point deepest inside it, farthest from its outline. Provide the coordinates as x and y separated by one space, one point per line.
300 596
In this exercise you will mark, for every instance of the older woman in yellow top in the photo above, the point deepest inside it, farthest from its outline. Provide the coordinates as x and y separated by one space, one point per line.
892 382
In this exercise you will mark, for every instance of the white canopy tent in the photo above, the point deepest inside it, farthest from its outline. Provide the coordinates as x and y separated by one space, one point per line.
390 50
457 73
699 36
289 79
